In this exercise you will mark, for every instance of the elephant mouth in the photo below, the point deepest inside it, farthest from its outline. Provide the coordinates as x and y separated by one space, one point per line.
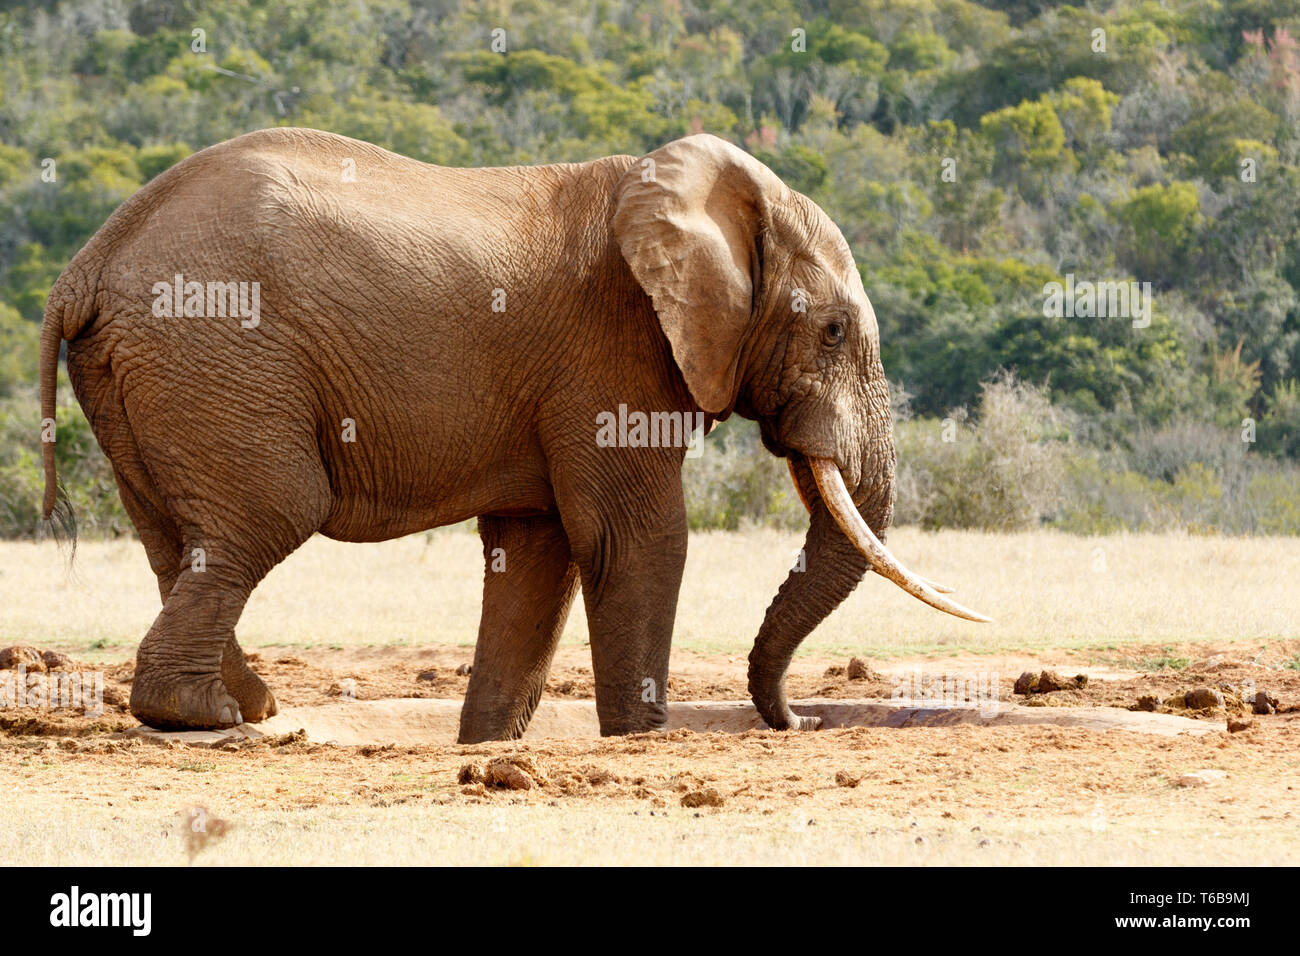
838 501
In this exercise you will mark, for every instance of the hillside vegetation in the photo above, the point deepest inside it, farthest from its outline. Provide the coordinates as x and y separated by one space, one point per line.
972 153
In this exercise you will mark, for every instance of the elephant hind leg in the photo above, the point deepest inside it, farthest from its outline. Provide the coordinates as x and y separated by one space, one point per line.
163 544
178 682
190 672
529 585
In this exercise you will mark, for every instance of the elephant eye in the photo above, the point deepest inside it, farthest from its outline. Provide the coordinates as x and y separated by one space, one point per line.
833 334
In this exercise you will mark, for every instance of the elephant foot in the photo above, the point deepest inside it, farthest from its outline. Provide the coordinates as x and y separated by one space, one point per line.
806 723
256 702
643 720
781 717
183 702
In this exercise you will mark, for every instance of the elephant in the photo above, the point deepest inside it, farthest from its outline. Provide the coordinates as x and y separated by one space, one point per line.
295 332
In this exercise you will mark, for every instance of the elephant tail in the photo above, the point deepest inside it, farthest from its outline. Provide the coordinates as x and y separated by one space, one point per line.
51 340
63 297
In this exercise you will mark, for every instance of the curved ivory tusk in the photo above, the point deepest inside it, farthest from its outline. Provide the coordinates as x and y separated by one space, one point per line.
831 485
941 588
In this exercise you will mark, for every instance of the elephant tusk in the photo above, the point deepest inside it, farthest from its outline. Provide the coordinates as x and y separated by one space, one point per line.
935 585
831 485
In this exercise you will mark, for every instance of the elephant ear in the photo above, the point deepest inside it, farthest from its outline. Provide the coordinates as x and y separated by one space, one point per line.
689 220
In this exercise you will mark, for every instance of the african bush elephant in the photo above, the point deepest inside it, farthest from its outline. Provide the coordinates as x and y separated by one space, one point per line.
295 332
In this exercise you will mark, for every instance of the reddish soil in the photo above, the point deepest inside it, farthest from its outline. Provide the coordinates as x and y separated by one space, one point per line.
965 773
1235 672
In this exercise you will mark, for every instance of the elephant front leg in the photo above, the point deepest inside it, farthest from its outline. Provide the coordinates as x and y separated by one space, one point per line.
529 585
630 581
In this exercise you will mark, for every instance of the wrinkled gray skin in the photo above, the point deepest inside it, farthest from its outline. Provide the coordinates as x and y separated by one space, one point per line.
669 283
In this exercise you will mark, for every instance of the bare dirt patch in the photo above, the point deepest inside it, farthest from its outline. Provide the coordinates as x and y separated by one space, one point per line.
967 780
979 792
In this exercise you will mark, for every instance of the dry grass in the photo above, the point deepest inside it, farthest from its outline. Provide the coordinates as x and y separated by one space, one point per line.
1044 589
565 835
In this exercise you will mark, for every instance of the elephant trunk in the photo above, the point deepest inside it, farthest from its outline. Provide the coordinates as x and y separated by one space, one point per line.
837 553
829 569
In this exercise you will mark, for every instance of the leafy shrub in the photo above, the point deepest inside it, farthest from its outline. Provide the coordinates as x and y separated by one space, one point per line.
1000 472
1164 452
1096 499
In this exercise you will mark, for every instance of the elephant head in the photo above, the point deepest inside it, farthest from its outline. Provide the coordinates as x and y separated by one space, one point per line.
764 309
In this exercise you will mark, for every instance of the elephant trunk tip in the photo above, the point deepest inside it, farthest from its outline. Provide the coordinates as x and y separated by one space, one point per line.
768 693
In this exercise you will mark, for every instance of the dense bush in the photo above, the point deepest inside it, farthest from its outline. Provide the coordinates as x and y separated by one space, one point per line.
971 152
84 472
1001 471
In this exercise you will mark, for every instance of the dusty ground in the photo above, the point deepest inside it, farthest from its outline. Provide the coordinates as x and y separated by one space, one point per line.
960 794
79 792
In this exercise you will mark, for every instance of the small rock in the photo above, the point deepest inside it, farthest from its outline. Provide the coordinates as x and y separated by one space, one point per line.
54 660
845 779
430 674
1048 681
1237 726
1201 778
705 797
1203 698
464 669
